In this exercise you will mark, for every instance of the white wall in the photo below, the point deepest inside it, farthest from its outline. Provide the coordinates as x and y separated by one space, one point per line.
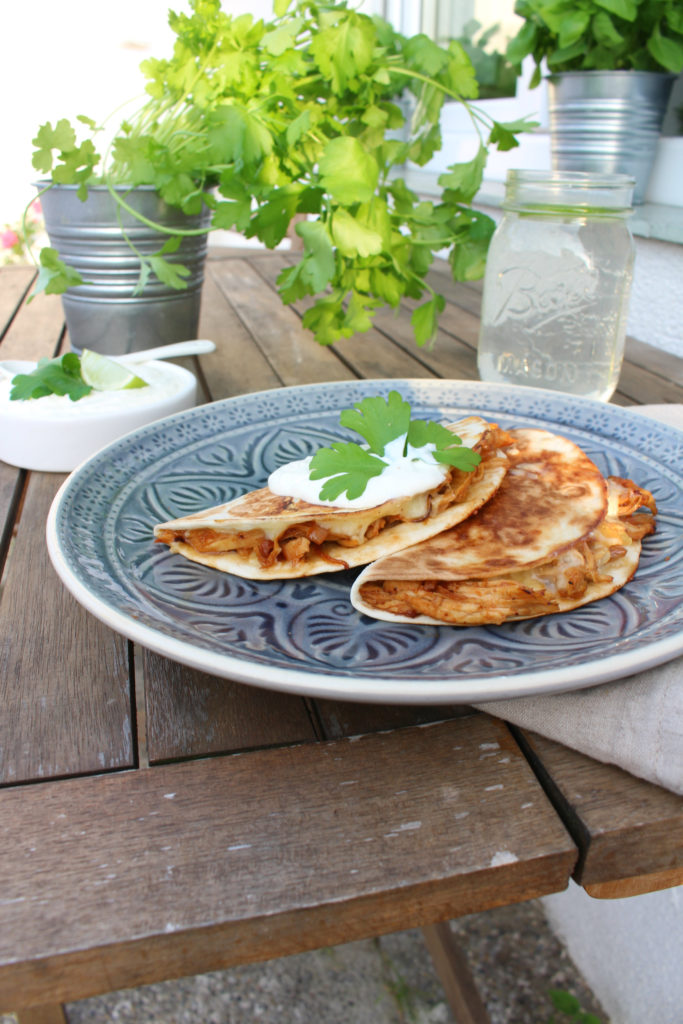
629 951
656 303
61 60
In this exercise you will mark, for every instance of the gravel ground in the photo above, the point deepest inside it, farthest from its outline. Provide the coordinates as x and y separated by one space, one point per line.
513 953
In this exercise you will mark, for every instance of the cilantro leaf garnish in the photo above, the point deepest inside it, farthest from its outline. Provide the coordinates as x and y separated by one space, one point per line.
347 467
344 466
378 420
448 448
51 377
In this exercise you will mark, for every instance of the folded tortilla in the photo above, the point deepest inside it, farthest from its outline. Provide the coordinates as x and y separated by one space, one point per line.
554 536
261 535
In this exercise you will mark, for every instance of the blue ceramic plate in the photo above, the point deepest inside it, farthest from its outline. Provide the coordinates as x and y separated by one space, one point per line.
303 636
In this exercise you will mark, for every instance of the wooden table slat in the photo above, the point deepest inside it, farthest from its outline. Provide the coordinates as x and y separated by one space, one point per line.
640 386
347 718
466 294
291 350
37 331
227 860
64 682
370 356
624 826
191 714
11 483
238 365
447 357
374 354
654 360
16 284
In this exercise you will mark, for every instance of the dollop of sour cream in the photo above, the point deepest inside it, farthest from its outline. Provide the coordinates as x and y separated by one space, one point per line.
404 476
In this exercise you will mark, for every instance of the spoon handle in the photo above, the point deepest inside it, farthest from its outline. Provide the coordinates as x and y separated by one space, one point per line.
180 348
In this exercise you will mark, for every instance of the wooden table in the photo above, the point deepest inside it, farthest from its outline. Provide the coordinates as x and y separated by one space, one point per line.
156 821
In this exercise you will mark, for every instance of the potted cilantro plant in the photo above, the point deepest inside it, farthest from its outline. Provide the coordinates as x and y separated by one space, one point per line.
250 125
611 67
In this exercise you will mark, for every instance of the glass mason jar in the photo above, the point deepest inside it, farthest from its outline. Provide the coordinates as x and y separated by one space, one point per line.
558 277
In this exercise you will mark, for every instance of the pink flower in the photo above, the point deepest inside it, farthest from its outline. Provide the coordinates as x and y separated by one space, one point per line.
9 238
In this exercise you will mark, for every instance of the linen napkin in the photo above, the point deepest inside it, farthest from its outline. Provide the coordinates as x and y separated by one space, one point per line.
635 723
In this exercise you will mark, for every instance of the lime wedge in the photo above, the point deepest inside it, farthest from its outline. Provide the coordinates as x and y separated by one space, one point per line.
104 374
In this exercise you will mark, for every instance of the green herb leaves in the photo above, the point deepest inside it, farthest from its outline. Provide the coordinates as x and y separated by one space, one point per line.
54 275
599 35
378 420
446 445
347 467
304 116
51 377
344 49
57 151
75 376
347 171
570 1008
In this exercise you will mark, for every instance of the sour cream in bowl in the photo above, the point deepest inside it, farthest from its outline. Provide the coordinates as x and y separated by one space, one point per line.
56 434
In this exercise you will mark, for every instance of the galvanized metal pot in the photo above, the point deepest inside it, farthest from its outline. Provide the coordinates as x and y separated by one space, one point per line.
103 314
607 121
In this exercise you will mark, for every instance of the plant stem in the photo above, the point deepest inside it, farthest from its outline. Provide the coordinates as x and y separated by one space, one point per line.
475 114
29 245
150 223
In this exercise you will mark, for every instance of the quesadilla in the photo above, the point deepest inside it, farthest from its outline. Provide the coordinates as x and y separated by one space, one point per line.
262 535
554 536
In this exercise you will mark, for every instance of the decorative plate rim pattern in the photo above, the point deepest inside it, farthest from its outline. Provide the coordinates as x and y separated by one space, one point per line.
303 636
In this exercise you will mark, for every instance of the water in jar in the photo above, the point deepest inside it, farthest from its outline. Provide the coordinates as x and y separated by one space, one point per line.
555 303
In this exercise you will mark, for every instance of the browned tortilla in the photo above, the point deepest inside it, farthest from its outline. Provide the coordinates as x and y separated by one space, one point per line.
404 521
521 595
544 543
552 495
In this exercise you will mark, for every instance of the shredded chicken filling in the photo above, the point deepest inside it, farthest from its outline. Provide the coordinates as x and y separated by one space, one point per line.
527 592
302 540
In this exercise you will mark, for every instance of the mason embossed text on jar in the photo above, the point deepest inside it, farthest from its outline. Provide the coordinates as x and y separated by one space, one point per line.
558 276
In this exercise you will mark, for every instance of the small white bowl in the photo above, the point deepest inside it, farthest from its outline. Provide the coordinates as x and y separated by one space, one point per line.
54 434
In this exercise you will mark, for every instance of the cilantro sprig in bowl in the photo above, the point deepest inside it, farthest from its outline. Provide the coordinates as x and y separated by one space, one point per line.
58 412
72 376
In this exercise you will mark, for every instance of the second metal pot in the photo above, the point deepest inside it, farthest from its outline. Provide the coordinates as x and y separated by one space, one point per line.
607 121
